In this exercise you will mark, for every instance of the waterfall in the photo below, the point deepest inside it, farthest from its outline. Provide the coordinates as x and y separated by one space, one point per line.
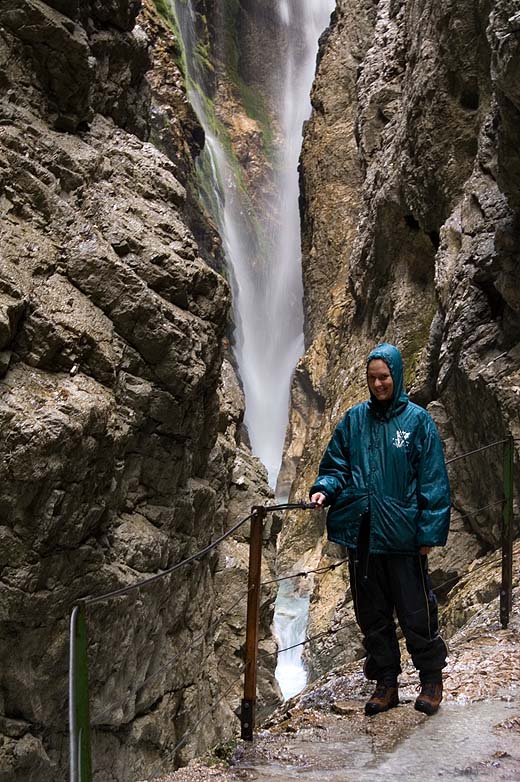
261 240
262 244
271 345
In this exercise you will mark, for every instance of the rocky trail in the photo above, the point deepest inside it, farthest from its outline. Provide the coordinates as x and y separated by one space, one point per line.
322 734
397 745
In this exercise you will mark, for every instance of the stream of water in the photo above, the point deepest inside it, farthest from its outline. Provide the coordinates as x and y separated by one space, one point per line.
290 622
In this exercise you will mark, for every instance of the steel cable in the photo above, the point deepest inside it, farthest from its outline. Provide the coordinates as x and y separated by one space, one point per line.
206 713
290 506
489 562
157 576
218 620
334 565
477 450
308 640
305 573
284 506
343 626
479 510
201 553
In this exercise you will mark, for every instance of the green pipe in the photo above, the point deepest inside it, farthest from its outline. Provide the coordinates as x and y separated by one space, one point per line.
506 589
79 717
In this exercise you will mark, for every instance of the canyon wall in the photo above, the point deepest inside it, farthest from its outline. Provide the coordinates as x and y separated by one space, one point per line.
120 451
410 218
122 447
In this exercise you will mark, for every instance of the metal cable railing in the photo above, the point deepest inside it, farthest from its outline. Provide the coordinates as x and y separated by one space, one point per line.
91 600
97 720
305 573
459 577
309 639
479 510
438 587
475 569
145 582
338 563
477 450
79 711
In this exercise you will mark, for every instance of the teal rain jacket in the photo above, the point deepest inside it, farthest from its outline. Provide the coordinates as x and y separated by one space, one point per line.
386 460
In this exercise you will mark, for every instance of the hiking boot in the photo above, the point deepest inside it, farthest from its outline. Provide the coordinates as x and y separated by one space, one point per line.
384 697
430 697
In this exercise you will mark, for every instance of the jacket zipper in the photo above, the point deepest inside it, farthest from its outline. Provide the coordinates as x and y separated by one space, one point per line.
371 456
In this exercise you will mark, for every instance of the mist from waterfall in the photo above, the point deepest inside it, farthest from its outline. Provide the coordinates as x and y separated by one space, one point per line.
262 248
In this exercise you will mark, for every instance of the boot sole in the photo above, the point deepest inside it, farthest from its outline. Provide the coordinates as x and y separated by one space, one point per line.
426 708
371 711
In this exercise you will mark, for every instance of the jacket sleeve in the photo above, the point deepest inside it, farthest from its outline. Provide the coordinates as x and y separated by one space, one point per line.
334 471
433 490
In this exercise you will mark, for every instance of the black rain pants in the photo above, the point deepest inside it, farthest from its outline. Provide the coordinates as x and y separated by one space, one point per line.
384 584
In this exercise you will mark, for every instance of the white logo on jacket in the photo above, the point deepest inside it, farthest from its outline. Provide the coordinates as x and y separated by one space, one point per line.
401 439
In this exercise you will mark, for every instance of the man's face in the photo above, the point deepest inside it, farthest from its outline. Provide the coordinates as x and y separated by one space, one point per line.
380 380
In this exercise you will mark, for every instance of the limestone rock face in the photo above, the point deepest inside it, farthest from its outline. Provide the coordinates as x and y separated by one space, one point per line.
410 198
175 129
119 449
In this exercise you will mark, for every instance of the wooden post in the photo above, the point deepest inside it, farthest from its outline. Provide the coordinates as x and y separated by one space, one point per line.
79 717
506 588
247 717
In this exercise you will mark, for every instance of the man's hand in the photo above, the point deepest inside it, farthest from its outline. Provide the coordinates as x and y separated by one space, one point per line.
425 550
319 499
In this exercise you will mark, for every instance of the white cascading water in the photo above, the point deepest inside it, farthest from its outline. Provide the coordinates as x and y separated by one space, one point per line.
267 295
290 623
271 344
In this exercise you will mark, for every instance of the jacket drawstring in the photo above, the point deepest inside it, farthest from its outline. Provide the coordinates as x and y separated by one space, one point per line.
365 574
362 555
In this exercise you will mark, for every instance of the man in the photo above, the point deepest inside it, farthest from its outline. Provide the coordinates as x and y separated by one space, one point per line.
384 477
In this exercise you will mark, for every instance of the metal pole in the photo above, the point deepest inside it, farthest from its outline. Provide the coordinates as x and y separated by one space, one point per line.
506 588
79 717
247 716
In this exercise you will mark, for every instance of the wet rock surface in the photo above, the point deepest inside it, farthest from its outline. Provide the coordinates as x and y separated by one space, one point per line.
323 733
410 235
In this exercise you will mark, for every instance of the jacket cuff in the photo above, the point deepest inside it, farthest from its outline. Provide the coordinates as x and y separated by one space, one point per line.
317 488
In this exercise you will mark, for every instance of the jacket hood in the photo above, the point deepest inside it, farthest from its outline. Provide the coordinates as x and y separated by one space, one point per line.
392 358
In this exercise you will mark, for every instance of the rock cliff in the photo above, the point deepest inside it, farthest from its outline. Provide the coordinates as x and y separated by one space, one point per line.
410 213
120 449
